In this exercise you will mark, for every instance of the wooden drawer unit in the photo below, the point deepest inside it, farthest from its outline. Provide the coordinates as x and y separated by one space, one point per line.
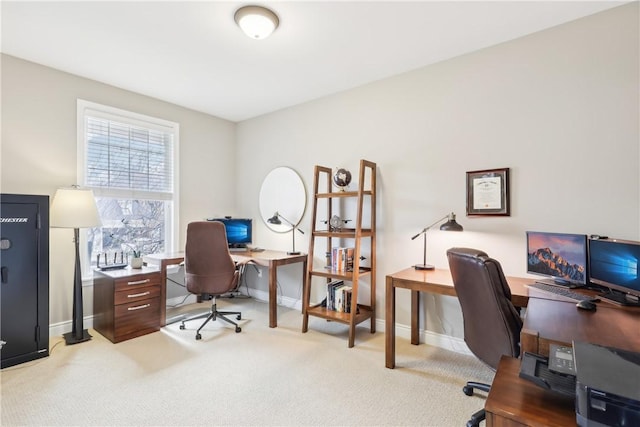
126 303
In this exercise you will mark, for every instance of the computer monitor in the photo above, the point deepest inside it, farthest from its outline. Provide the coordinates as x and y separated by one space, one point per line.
239 231
561 257
614 265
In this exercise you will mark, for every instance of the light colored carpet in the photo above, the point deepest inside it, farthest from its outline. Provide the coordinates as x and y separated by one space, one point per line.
260 376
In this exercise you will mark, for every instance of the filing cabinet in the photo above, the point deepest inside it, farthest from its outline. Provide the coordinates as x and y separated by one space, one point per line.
126 303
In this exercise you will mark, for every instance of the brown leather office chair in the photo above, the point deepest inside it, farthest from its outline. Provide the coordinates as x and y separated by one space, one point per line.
491 322
209 269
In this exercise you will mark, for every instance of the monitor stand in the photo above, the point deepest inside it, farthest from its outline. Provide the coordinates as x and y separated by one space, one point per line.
559 283
620 298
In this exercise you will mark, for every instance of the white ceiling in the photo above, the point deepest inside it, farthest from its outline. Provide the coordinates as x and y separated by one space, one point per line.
193 54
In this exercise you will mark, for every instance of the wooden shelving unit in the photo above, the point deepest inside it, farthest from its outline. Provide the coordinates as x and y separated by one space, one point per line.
365 199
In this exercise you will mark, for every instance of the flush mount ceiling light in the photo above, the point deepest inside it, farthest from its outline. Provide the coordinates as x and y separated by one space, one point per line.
257 22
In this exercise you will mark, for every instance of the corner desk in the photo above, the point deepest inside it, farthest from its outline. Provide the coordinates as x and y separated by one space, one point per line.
267 258
549 319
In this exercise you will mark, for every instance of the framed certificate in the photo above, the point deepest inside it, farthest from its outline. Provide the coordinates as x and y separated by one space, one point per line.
488 192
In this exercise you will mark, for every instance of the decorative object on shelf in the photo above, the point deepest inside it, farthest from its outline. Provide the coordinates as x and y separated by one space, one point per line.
256 22
275 219
488 192
342 178
335 223
75 208
450 225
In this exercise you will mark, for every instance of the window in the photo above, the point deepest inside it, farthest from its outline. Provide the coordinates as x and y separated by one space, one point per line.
130 162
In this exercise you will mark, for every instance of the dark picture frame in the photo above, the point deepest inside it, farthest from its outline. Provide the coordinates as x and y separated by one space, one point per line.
488 192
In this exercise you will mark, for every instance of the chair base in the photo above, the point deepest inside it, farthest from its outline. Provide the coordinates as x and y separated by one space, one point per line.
214 314
479 416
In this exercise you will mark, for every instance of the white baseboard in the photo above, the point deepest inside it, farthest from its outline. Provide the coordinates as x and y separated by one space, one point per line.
403 331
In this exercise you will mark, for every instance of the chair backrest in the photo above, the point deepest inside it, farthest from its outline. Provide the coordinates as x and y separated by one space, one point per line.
491 322
209 268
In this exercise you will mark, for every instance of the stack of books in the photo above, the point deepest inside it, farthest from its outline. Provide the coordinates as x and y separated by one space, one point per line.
339 296
342 258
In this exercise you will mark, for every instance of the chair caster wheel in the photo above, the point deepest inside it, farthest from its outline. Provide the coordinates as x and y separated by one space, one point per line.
238 329
182 327
467 390
198 337
238 317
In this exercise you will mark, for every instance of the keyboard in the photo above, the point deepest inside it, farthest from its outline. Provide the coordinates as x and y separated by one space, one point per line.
556 290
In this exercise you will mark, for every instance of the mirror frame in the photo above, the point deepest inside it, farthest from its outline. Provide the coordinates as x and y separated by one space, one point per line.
282 191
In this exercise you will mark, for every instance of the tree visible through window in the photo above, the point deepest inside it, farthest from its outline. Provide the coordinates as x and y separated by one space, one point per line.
129 162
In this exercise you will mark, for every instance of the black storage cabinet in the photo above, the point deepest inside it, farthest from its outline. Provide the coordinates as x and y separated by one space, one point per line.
24 285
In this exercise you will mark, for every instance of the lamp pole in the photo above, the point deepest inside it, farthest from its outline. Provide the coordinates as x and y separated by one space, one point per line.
275 219
450 225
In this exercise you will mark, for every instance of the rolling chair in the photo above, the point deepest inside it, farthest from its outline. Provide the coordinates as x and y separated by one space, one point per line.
491 322
209 269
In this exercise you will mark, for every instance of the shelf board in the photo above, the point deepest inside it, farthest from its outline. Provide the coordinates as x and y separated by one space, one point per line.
342 194
336 316
345 233
344 275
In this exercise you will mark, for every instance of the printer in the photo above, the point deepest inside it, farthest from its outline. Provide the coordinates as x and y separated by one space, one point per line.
607 386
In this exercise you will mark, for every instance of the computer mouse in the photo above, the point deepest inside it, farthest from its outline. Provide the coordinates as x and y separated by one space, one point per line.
585 304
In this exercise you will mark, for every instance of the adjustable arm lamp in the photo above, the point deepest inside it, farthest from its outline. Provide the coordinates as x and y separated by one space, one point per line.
275 219
450 225
75 208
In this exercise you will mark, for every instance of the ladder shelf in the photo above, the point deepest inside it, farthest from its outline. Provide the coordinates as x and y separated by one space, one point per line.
364 199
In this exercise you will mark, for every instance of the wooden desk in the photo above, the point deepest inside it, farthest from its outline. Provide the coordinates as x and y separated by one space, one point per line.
436 281
560 322
514 401
267 258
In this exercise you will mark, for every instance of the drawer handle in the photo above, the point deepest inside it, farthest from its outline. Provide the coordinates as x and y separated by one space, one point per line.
139 307
139 295
139 282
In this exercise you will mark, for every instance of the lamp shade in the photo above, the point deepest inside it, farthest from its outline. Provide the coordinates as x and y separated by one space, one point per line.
74 207
256 22
451 224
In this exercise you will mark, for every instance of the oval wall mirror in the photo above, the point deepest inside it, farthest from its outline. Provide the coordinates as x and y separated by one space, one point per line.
282 195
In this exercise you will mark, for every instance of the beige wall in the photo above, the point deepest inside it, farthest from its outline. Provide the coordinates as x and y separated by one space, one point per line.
559 108
38 154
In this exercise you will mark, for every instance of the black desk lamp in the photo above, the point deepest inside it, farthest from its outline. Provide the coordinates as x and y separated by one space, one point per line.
450 225
275 219
75 208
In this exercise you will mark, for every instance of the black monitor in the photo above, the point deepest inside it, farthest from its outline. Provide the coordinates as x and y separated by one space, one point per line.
239 231
614 265
561 257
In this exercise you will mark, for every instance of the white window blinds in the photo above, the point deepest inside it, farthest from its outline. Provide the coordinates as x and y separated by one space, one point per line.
123 156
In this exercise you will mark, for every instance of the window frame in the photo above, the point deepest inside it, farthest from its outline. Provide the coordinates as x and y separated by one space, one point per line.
92 109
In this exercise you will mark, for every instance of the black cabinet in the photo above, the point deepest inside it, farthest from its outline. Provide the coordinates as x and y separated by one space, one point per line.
24 284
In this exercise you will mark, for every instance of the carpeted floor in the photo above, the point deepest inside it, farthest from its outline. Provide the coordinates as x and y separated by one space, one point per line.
261 376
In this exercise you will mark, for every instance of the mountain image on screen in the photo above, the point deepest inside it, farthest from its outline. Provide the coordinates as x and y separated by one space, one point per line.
545 261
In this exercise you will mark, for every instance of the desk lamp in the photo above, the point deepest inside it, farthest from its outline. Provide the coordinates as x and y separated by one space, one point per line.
75 208
275 219
450 225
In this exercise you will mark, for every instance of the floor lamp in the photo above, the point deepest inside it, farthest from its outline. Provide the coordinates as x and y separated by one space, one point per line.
75 208
275 219
450 225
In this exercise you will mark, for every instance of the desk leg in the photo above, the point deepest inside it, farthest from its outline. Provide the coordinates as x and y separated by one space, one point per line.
273 294
415 317
163 293
390 322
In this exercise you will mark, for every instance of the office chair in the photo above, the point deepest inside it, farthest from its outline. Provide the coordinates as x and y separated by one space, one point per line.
491 322
209 269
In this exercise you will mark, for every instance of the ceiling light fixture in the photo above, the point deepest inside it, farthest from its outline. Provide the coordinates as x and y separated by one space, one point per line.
257 22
